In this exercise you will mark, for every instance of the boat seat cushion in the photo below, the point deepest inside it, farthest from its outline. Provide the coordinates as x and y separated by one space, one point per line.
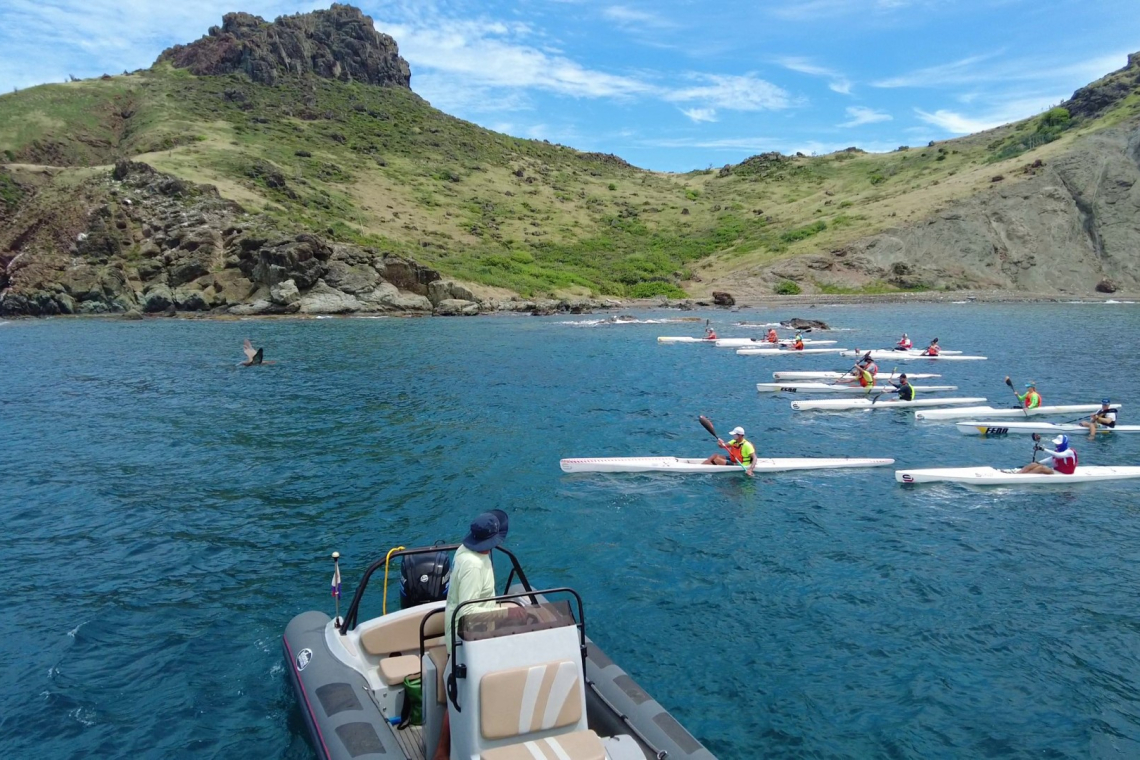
395 669
520 701
579 745
399 635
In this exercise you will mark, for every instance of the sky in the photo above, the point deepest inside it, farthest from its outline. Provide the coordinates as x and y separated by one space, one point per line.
669 85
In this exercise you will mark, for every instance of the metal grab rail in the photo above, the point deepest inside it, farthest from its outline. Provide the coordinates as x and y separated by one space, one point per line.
350 616
460 671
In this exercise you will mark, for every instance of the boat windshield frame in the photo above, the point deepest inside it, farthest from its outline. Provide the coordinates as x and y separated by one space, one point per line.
350 616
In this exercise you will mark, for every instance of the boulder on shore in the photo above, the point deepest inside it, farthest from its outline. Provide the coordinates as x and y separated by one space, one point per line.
720 298
455 307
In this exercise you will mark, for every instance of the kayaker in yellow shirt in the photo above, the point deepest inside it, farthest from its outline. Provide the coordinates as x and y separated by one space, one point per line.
740 452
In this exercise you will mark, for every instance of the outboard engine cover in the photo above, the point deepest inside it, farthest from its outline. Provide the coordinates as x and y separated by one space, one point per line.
424 578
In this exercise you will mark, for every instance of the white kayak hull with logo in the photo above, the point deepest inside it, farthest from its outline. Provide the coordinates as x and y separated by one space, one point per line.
907 356
989 476
1014 412
998 427
786 351
792 387
879 378
684 339
676 464
759 343
854 404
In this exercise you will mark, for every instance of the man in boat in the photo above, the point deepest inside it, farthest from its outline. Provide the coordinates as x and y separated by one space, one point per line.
933 349
1063 459
1105 416
798 343
710 334
1031 399
472 577
862 373
903 388
904 344
772 337
740 452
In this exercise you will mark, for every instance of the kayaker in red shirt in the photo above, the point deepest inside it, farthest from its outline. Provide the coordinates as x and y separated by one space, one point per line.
904 344
933 349
772 337
710 334
1063 459
799 342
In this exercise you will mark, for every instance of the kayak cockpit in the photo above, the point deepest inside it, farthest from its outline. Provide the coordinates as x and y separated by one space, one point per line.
516 684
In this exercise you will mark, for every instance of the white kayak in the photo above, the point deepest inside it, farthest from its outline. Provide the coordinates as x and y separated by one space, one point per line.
786 351
1015 412
989 476
759 343
998 427
685 339
841 405
879 378
793 387
675 464
906 356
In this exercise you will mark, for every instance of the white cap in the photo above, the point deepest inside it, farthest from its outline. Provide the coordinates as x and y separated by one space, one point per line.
737 431
1058 440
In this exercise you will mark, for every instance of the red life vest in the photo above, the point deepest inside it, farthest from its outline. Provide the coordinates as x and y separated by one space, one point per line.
1029 399
1066 466
772 337
799 345
711 336
866 379
932 350
905 343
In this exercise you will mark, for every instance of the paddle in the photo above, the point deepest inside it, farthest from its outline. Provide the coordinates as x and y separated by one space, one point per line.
706 423
1024 411
1036 447
876 398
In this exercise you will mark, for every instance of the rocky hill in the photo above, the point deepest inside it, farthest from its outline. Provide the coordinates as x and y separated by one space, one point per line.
340 43
303 129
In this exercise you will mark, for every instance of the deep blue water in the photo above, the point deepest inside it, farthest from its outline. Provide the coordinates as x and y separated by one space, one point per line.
166 513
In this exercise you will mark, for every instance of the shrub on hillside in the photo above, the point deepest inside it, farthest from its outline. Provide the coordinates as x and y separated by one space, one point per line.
654 289
788 288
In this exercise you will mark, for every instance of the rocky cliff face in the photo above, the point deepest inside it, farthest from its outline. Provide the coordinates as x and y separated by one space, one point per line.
340 43
133 239
1071 226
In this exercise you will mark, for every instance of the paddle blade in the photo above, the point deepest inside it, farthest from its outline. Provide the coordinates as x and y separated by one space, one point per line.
706 423
1008 381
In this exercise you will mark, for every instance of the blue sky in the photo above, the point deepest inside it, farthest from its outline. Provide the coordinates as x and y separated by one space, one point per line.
670 85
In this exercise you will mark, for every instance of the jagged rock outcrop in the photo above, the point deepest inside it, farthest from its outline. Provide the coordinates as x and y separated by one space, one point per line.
340 43
1094 99
139 240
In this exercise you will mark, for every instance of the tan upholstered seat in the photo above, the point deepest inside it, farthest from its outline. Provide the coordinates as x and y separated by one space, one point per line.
395 669
579 745
400 634
521 701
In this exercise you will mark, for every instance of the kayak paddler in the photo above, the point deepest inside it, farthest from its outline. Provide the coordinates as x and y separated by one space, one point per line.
1105 416
772 336
1063 459
710 334
904 388
869 364
933 349
904 344
798 344
862 373
740 452
1031 399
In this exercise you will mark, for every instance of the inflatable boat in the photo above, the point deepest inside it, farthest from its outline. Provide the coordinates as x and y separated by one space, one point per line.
517 686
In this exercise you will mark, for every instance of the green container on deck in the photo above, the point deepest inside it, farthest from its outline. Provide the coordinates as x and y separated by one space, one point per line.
414 696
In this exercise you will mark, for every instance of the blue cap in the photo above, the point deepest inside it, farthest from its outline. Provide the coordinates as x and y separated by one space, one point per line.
1104 401
1031 384
487 531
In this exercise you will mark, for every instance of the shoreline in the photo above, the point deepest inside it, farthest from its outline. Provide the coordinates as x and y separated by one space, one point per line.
613 305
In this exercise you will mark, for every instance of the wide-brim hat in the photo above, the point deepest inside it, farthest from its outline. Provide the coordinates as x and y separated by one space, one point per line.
487 531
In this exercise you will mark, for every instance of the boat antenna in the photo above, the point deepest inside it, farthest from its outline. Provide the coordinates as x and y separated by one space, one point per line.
336 587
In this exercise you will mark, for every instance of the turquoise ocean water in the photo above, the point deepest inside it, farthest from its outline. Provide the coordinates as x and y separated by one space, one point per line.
165 513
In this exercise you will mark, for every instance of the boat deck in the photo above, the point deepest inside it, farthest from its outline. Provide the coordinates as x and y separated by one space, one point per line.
411 741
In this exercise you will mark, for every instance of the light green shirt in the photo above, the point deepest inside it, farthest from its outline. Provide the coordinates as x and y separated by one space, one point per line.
472 577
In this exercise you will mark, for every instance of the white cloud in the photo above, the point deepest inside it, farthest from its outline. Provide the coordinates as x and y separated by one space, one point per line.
764 144
957 123
700 114
735 93
970 71
839 83
625 16
861 115
814 10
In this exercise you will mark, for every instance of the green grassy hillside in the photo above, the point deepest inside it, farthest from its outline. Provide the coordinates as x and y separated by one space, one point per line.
379 166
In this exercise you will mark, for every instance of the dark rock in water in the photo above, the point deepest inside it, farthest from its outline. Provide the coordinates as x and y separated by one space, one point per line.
1106 286
544 311
720 298
805 324
340 43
